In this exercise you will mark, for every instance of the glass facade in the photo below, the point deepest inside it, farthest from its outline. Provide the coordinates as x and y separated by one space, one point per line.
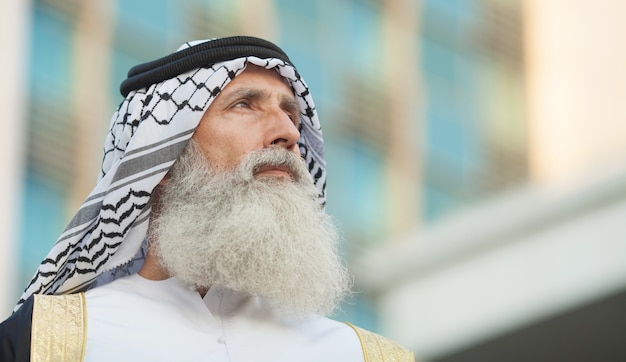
475 126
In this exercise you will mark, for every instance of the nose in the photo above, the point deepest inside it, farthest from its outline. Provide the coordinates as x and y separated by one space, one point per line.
283 133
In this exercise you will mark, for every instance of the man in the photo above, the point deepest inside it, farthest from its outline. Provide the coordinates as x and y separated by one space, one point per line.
205 237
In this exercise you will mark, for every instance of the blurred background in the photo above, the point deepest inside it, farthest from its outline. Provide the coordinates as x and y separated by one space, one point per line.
476 152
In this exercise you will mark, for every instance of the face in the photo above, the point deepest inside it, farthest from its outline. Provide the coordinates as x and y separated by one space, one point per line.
256 110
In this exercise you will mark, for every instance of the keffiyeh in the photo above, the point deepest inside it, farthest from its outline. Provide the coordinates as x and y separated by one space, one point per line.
165 100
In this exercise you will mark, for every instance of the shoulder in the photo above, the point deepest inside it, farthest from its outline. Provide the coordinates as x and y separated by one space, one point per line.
329 340
379 348
330 327
59 321
42 321
15 334
355 343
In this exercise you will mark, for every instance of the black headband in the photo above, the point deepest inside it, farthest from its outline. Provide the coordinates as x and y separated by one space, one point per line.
197 56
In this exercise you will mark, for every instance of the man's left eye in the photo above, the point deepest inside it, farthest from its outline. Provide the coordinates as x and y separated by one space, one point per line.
241 104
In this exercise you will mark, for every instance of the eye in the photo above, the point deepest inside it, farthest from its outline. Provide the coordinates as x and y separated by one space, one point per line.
242 104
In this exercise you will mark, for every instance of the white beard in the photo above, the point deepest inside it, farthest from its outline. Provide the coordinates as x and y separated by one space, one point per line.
265 237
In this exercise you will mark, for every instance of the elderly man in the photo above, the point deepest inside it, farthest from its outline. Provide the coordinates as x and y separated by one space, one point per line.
205 237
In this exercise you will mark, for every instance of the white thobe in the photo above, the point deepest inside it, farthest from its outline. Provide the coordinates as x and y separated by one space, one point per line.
135 319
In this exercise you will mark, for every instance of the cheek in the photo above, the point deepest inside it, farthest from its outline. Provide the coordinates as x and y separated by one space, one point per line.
226 151
225 141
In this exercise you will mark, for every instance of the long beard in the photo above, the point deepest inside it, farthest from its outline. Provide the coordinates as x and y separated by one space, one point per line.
264 237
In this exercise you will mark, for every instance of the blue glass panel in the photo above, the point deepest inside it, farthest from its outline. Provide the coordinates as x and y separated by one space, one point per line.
438 203
355 187
306 9
148 24
43 219
50 61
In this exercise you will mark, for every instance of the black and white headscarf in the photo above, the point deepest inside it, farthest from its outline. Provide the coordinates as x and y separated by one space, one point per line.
165 100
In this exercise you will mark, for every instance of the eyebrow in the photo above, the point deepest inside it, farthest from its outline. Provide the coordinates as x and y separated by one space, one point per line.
288 103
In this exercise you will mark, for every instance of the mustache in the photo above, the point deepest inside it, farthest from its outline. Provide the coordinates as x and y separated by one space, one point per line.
275 157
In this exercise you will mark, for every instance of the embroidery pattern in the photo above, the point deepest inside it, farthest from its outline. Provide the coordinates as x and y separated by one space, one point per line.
58 330
377 348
